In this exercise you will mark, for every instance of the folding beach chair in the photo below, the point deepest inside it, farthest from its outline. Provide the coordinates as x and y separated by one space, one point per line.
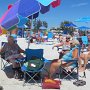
74 68
84 40
4 63
50 35
50 38
34 64
74 74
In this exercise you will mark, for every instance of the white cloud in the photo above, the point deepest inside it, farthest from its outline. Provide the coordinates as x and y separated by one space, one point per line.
80 4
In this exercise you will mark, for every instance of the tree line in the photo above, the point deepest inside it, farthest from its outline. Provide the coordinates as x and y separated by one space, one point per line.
36 24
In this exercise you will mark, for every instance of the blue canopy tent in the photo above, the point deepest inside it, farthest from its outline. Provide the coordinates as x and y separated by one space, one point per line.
84 28
70 25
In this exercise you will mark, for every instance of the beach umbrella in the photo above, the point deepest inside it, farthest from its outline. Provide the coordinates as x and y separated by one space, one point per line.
25 8
83 28
70 25
45 2
2 31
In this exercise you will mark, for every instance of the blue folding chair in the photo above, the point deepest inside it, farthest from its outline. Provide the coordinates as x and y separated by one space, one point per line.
74 68
41 34
50 35
32 64
84 40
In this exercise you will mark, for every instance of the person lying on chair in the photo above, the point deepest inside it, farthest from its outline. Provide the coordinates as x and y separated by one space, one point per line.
12 52
71 55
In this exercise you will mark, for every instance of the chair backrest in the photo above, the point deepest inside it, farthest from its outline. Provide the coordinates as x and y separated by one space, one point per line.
84 39
38 53
3 43
50 35
3 54
41 34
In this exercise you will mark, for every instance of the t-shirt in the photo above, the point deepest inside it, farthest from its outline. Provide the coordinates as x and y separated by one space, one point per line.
66 46
11 50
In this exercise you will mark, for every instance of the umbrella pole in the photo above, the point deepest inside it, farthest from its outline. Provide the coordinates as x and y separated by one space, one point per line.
22 32
31 29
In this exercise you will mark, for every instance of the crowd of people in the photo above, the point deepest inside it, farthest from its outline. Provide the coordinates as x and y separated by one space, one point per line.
70 51
72 48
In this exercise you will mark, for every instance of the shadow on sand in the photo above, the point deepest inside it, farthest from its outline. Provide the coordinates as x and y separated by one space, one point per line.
8 71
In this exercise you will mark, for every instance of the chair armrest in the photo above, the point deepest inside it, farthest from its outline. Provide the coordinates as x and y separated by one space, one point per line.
73 60
46 60
20 60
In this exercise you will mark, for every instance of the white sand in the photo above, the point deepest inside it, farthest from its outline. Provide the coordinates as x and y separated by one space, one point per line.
12 84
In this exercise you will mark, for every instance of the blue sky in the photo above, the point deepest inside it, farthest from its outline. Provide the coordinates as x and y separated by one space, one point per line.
68 10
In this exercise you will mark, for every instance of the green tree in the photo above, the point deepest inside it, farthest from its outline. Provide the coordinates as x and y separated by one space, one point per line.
37 24
45 24
69 29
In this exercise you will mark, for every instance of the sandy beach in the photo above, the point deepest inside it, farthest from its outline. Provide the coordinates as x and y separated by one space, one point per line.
10 83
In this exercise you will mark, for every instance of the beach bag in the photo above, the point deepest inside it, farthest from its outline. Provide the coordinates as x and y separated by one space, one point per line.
35 64
50 84
79 83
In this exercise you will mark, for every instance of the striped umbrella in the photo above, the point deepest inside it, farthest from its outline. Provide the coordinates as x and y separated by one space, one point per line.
26 9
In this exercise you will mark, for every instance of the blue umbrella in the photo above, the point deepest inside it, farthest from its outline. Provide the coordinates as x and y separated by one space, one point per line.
22 21
45 2
23 26
25 8
70 25
43 10
22 8
83 28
